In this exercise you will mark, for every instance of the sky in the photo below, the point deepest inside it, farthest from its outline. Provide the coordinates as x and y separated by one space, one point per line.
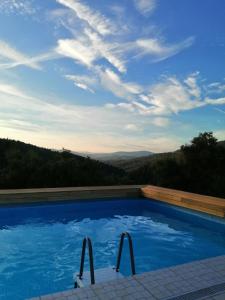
105 76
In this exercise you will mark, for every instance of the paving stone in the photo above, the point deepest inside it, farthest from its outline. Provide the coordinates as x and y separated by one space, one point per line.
156 285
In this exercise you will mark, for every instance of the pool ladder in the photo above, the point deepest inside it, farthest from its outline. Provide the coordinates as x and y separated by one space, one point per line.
82 279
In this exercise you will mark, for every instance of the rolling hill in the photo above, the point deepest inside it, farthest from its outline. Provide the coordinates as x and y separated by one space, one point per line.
130 165
120 155
133 164
27 166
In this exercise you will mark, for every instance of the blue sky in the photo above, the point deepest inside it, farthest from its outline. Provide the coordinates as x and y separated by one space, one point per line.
103 76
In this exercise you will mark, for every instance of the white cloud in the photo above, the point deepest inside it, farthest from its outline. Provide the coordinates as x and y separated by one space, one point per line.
90 47
11 54
194 89
131 127
96 43
11 90
217 101
161 122
145 6
168 97
21 7
112 82
61 125
77 50
171 96
94 19
159 51
83 81
216 87
97 127
13 58
96 38
110 51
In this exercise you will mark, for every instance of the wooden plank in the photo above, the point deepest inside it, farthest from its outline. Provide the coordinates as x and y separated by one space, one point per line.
207 204
206 199
72 193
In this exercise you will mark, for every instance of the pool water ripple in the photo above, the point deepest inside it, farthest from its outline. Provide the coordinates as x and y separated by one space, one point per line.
41 244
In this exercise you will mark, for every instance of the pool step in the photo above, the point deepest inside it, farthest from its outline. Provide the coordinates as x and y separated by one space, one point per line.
106 274
101 275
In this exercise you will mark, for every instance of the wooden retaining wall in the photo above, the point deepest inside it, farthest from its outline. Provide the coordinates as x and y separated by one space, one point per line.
211 205
207 204
71 193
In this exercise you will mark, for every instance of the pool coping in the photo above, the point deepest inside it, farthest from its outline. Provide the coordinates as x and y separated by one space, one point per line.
21 196
203 203
202 279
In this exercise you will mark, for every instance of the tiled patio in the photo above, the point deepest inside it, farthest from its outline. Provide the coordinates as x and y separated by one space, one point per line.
203 279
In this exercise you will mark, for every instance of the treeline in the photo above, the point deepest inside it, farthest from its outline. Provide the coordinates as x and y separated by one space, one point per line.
27 166
198 167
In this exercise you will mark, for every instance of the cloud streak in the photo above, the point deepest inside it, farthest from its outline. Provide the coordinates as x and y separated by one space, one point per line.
167 98
145 6
94 19
159 51
98 38
83 81
13 58
20 7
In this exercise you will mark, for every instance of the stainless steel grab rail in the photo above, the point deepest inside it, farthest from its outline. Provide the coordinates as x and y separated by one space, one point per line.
132 263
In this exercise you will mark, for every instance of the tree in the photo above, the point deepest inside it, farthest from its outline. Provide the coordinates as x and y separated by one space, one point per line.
203 163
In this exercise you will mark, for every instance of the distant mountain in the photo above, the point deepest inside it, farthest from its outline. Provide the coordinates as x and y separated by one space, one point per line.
120 155
27 166
132 164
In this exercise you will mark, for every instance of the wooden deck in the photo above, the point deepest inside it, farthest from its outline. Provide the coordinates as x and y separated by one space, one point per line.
211 205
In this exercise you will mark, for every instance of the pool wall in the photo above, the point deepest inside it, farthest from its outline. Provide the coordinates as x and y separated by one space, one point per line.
19 196
206 204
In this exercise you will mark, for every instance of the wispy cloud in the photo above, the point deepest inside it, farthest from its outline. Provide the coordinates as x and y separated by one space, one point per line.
83 81
77 50
98 42
168 97
215 101
159 51
145 6
20 7
15 56
12 58
112 82
94 19
99 127
89 47
216 87
131 127
220 110
11 90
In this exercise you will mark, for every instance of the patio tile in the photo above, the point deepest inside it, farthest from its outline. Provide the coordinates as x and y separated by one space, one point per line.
163 284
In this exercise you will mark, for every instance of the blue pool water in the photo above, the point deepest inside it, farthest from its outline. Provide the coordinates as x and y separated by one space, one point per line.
40 245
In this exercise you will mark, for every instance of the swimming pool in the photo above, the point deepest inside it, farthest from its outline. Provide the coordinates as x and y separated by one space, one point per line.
40 244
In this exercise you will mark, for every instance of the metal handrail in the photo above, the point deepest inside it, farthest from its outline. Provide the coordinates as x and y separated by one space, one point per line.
86 241
132 264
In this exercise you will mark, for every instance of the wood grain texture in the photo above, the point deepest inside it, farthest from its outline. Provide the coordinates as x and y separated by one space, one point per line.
20 196
207 204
